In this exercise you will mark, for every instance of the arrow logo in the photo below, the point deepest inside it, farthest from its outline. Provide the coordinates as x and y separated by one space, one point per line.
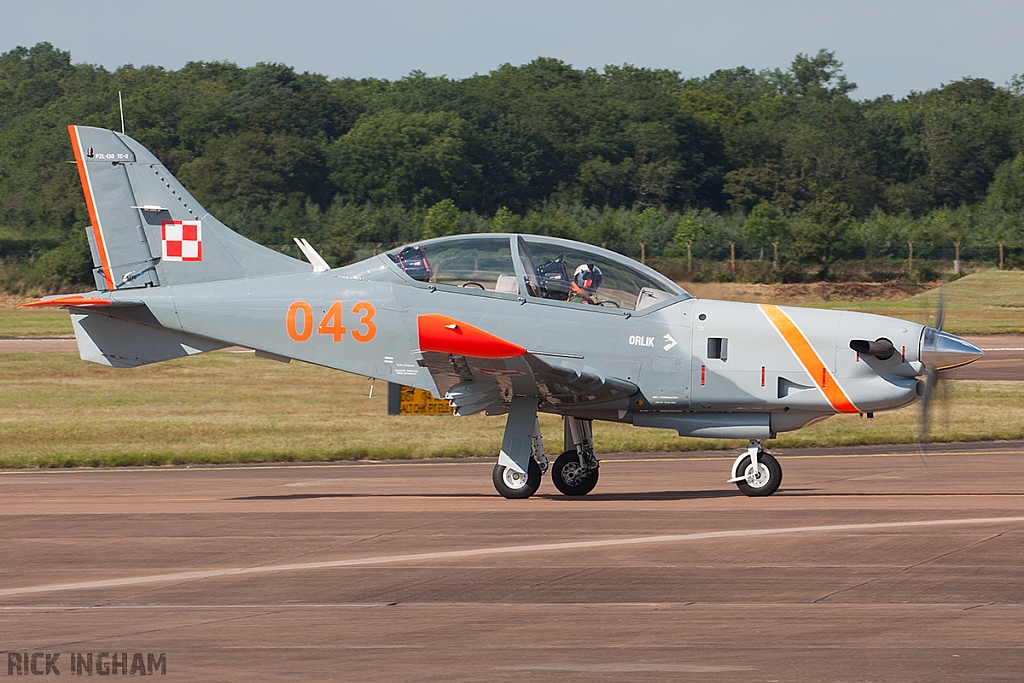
671 342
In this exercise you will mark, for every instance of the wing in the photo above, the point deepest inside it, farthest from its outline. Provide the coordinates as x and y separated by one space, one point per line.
476 370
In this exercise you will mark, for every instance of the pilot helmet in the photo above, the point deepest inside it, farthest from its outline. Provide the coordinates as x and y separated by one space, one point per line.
588 277
413 260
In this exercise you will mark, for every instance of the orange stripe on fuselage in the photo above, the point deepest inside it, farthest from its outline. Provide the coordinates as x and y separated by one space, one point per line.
97 232
809 358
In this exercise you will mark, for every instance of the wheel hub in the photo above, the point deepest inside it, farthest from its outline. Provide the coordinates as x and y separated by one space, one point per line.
573 474
513 479
759 477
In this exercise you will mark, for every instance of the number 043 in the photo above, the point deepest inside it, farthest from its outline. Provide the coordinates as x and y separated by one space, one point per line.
300 328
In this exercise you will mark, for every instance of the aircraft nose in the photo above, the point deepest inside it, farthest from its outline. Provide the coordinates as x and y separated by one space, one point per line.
941 350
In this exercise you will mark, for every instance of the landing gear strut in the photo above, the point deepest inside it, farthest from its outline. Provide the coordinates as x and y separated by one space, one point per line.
521 464
756 472
575 472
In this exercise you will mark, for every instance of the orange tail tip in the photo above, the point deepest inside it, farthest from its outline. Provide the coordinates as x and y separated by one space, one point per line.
73 300
90 204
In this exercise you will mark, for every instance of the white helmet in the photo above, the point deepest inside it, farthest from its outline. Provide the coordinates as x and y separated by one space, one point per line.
588 277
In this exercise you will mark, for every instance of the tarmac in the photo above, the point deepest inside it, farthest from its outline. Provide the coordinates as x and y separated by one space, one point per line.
869 564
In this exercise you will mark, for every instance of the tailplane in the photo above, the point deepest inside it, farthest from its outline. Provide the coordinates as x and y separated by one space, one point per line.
147 230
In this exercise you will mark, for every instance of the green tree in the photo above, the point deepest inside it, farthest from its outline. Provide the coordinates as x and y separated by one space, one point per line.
689 230
441 219
1007 189
767 225
504 221
412 159
821 226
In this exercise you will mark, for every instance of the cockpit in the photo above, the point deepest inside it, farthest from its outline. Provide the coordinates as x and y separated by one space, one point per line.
536 267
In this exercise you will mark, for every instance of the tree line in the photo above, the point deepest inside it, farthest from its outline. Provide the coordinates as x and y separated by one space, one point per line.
782 169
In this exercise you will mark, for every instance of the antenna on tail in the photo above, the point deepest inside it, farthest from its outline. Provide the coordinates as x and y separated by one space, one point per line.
120 105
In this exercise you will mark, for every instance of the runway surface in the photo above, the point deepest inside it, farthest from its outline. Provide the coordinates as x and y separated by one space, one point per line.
1004 355
1003 360
868 565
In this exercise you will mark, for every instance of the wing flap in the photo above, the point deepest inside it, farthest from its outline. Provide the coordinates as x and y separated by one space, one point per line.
478 371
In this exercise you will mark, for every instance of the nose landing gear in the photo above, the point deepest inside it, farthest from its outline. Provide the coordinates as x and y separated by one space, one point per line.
756 472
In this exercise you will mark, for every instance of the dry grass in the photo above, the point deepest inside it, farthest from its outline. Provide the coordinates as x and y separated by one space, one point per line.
808 293
31 322
56 410
989 302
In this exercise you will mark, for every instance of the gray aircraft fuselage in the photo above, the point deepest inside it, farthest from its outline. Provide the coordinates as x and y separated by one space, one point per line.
494 323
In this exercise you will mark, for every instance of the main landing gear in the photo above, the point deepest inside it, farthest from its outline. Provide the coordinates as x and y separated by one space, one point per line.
575 471
522 463
756 472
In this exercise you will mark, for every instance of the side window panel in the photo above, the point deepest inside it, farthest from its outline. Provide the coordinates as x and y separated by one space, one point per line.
472 264
577 276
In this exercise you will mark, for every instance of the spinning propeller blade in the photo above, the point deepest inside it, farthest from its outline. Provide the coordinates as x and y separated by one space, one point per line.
931 380
939 351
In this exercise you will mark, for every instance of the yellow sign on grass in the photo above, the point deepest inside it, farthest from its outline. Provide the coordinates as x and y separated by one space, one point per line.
420 402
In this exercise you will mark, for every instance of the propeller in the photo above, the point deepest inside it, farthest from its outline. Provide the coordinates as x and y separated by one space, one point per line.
931 381
940 351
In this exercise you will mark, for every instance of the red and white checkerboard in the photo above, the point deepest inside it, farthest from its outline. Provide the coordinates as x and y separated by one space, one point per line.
182 240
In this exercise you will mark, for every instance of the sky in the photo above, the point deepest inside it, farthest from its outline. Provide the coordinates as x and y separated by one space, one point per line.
888 47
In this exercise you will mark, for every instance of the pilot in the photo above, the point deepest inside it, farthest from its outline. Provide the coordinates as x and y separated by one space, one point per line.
585 281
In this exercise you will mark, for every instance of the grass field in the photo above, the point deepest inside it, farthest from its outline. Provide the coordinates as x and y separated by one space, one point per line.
990 302
31 322
56 410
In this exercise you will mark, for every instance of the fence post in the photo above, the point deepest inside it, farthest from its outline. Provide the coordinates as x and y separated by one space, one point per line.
775 260
732 259
1000 254
689 257
956 259
910 256
643 253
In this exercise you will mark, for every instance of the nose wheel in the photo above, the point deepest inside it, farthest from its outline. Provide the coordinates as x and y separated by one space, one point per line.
757 472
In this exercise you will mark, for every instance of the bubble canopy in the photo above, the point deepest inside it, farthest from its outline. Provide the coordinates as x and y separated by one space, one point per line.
536 267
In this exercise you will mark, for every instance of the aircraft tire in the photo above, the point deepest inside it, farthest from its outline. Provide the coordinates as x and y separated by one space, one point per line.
565 475
512 484
770 485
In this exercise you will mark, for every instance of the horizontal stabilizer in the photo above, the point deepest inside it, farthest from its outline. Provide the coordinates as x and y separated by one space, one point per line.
127 344
77 301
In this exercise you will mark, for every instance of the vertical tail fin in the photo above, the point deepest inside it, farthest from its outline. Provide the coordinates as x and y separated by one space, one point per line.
147 230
